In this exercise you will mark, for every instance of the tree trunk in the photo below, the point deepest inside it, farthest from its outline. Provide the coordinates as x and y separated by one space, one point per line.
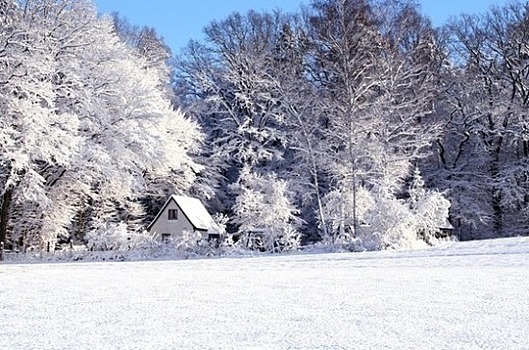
497 208
4 217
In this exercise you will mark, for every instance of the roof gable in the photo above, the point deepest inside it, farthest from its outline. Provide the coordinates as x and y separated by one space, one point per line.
193 210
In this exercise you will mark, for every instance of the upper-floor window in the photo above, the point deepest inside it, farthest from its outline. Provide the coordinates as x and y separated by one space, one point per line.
173 214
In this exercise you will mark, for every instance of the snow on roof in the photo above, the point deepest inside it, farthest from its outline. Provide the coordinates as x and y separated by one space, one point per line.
196 213
446 225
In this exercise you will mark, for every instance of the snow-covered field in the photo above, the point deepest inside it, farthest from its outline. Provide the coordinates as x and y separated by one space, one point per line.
472 295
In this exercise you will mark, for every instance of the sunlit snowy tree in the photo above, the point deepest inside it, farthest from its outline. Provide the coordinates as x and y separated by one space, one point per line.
377 88
92 128
34 134
264 213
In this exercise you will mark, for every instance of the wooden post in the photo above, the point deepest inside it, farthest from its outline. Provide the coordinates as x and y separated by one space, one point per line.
1 251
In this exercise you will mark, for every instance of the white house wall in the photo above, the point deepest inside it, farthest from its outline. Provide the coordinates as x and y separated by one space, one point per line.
173 227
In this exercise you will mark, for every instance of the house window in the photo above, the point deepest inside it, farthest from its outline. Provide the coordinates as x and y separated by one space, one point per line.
166 237
213 236
173 214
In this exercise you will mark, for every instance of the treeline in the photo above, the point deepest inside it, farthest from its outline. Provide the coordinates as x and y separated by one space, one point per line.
349 122
352 104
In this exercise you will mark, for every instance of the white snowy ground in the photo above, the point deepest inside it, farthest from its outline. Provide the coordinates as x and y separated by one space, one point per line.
472 295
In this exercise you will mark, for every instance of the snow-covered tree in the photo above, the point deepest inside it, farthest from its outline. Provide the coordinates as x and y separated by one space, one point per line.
33 134
148 44
229 86
377 87
89 129
304 159
264 212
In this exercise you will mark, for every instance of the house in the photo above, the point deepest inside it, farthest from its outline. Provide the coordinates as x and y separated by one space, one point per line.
181 214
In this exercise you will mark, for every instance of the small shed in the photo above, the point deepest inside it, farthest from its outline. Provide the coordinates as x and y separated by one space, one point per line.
446 229
181 213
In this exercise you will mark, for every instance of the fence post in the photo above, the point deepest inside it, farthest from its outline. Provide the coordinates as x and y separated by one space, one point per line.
1 251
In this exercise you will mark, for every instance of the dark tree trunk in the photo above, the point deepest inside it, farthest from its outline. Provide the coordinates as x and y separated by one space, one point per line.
497 208
4 218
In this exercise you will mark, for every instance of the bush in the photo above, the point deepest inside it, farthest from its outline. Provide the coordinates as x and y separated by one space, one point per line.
112 236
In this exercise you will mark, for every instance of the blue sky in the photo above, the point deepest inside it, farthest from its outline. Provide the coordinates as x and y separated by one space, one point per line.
178 21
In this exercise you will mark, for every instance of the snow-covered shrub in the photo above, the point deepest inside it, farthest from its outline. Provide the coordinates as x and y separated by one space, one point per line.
193 243
431 215
107 237
221 220
289 239
338 207
383 220
390 224
142 240
112 236
398 223
429 207
188 241
264 212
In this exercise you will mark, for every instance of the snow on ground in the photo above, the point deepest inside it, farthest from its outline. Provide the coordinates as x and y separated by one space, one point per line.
472 295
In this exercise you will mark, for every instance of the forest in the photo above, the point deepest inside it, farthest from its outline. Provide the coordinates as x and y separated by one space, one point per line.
349 123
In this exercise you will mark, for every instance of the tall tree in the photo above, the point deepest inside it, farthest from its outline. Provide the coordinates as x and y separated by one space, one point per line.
231 88
33 134
371 66
91 128
146 41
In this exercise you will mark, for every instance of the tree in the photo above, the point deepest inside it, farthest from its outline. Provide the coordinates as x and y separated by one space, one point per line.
91 126
230 88
264 212
32 133
377 86
149 45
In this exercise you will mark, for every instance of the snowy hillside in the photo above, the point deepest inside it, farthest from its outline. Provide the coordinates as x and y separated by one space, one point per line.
470 295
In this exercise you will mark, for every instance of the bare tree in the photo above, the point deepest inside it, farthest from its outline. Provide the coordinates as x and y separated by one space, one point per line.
371 65
484 149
